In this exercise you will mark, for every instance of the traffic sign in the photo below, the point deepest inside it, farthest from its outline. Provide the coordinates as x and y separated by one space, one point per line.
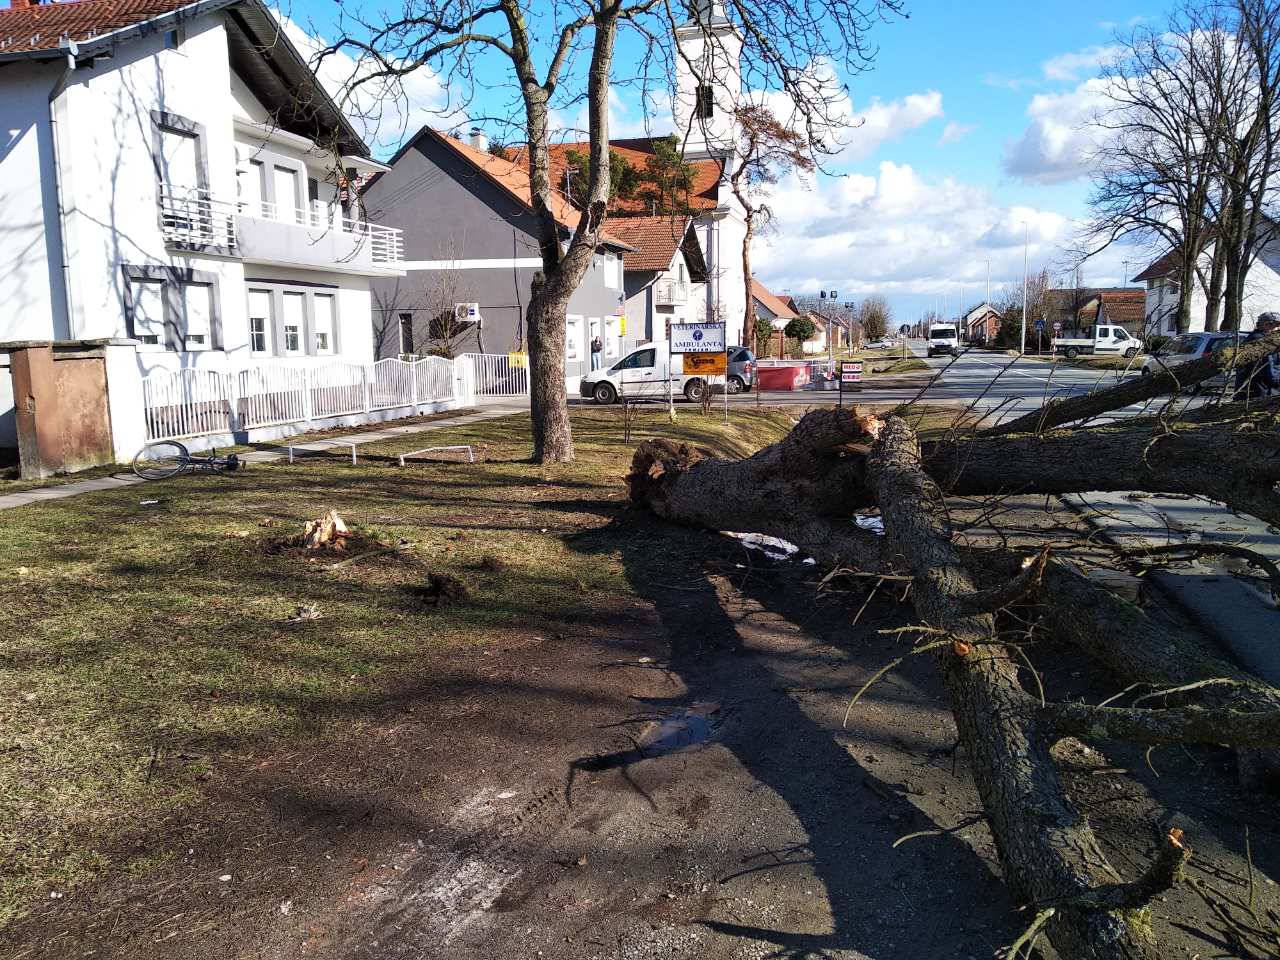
905 328
1040 324
698 338
1057 326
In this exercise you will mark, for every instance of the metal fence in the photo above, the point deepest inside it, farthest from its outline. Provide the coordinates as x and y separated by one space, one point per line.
192 403
498 374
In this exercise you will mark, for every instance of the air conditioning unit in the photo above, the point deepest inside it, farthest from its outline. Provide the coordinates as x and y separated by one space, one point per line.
468 313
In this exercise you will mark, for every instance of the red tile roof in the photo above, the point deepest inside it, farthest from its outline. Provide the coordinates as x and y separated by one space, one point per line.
1163 267
704 194
1125 306
655 239
48 26
514 178
771 301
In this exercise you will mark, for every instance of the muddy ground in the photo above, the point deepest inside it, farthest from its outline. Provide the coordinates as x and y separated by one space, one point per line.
669 778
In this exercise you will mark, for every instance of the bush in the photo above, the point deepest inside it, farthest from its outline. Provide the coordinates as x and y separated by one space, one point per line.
801 328
1155 341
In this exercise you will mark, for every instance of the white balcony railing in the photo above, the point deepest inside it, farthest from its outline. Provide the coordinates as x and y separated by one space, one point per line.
670 293
194 216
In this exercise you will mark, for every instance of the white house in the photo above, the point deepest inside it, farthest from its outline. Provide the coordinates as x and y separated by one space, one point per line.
1261 292
174 182
664 276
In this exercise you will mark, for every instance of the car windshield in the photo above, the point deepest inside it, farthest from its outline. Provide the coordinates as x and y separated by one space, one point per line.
1185 345
941 334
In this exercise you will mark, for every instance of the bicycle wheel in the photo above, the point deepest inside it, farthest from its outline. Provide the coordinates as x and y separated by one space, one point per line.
157 461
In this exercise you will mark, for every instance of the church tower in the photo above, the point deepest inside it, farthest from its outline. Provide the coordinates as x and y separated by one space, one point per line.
708 80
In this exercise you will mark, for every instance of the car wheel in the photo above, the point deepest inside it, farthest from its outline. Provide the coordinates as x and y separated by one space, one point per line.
1071 353
736 385
1146 371
694 389
605 394
1131 353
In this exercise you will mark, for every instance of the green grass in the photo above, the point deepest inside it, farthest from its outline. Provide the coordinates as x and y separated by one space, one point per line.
144 644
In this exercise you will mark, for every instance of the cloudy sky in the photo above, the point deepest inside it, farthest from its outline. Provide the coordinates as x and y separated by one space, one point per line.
972 139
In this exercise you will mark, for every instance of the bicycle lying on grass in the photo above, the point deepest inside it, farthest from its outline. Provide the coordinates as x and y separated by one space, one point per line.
168 458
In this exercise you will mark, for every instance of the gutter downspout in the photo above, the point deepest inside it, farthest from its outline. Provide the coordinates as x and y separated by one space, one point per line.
59 178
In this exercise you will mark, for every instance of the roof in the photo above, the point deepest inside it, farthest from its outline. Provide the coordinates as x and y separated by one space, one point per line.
770 301
704 195
655 241
508 176
1162 267
1125 306
258 50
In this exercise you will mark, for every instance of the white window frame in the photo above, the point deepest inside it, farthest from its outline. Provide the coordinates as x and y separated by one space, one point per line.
573 344
158 341
285 324
207 332
332 332
268 322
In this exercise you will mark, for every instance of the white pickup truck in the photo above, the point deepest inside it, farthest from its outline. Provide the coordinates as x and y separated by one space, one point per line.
1102 339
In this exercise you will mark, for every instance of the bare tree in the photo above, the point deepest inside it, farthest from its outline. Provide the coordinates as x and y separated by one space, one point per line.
767 150
875 316
542 48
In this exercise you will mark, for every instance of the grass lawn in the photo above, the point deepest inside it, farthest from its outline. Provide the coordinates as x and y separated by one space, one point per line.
1108 362
148 651
145 644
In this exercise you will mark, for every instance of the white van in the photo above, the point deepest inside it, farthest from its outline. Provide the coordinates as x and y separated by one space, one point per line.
944 338
642 374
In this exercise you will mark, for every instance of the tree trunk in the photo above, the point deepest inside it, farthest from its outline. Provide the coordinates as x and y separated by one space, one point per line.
1213 309
548 404
749 313
1049 853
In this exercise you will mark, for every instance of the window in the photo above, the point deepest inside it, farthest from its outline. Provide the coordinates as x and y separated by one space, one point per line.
1120 333
147 297
406 333
639 360
259 320
295 319
322 307
573 338
704 106
197 309
249 187
285 182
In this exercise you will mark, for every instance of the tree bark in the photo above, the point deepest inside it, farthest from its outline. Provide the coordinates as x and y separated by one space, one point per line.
1049 853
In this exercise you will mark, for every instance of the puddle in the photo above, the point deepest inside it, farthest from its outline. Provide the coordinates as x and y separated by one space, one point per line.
693 727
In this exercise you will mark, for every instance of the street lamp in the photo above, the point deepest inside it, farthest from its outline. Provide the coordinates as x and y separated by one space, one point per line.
1026 244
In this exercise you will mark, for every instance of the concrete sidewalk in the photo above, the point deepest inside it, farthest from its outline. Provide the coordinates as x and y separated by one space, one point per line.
1224 595
127 479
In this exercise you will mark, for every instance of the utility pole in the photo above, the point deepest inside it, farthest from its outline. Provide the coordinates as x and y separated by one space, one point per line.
1026 245
988 283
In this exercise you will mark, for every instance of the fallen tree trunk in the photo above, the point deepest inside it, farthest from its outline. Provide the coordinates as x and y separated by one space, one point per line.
1167 380
1049 853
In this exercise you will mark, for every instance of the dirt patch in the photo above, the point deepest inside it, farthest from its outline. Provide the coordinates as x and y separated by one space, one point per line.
439 590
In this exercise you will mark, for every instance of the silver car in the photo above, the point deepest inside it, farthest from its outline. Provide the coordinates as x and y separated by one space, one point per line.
1187 347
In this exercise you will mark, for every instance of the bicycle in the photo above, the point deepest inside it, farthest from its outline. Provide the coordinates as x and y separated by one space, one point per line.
168 458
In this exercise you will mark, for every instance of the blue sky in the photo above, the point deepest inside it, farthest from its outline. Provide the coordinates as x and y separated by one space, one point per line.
973 138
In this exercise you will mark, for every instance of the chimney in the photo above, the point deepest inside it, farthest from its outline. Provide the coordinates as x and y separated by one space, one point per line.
478 140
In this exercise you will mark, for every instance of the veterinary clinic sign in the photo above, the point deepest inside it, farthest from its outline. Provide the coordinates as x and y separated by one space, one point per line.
697 338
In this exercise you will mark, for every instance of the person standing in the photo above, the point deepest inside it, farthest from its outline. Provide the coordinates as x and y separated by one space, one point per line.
597 348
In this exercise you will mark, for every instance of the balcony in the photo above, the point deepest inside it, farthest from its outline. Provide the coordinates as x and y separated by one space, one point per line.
670 293
316 238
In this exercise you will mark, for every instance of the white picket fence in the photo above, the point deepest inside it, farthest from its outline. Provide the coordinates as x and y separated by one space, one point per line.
498 374
192 403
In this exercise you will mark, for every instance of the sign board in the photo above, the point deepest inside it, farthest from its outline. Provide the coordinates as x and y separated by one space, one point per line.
706 364
905 328
850 372
698 338
1040 324
1057 327
622 325
518 359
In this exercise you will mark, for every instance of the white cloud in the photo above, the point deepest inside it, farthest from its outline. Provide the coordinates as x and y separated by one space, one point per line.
1056 144
955 132
1067 67
898 233
383 113
882 123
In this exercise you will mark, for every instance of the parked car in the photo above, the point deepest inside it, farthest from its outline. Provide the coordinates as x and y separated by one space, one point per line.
1185 348
742 369
642 374
1101 339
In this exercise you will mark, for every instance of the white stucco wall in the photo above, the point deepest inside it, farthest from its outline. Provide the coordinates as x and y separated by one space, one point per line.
1261 294
30 255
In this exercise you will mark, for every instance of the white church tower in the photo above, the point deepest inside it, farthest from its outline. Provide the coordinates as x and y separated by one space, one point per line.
708 72
708 80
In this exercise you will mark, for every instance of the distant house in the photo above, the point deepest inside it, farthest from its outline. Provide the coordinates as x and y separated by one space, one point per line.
1261 294
1125 307
981 324
471 251
664 274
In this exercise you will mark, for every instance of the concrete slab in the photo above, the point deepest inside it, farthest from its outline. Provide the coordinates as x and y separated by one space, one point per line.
1223 595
